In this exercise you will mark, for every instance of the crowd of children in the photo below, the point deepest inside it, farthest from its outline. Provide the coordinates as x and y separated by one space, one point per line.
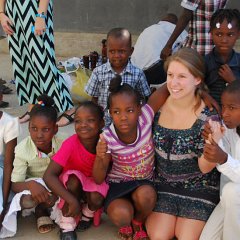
152 161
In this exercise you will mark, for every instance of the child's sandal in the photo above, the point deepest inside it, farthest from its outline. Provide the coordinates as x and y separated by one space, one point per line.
125 233
139 232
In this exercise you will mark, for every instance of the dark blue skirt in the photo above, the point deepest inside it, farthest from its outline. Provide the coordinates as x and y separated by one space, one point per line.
123 190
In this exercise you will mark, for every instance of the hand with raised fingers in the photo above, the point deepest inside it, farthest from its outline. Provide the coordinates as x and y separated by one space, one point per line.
101 147
217 130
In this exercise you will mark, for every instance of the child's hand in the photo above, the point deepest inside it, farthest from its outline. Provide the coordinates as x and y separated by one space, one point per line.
226 73
73 208
39 192
213 153
217 130
101 147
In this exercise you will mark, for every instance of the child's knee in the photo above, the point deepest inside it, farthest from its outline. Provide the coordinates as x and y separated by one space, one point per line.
120 216
145 196
73 183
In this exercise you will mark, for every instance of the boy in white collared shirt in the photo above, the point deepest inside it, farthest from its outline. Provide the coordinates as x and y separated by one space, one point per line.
224 223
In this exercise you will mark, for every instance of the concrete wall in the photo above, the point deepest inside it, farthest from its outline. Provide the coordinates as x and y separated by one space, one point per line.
98 16
80 25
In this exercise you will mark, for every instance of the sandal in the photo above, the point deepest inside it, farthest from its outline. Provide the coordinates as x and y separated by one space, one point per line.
139 232
2 81
25 117
84 225
125 233
4 89
45 224
3 104
68 235
69 117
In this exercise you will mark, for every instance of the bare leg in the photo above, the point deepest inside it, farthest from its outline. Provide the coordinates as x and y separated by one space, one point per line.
161 226
121 212
188 229
74 186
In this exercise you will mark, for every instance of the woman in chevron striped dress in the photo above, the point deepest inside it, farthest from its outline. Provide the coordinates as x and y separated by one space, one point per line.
29 26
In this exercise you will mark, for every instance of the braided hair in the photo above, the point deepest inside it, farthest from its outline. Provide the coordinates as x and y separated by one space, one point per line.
225 14
44 107
116 86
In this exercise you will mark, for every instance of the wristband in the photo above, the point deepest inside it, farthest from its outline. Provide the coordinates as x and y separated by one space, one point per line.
41 15
33 29
2 12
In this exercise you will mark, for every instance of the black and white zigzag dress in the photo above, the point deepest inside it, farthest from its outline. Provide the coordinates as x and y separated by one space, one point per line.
33 57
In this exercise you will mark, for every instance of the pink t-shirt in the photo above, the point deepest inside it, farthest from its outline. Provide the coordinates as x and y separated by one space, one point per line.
132 161
73 156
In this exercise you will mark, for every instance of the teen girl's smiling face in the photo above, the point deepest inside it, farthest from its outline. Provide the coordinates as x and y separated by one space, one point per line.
42 129
225 36
231 109
87 124
180 82
125 111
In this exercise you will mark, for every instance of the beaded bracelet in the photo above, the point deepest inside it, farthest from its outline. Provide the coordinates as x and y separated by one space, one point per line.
41 15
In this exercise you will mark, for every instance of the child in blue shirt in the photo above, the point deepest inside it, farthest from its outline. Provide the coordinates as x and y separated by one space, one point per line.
223 63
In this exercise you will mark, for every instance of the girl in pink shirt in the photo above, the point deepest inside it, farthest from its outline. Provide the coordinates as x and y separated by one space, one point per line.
69 175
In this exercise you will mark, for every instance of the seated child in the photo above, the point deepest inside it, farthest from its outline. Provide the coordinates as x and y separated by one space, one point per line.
69 175
224 222
222 63
119 49
126 147
9 132
32 156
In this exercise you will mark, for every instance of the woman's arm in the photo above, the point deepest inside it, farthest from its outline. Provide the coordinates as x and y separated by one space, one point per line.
40 24
158 98
2 5
51 178
43 6
204 165
4 20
